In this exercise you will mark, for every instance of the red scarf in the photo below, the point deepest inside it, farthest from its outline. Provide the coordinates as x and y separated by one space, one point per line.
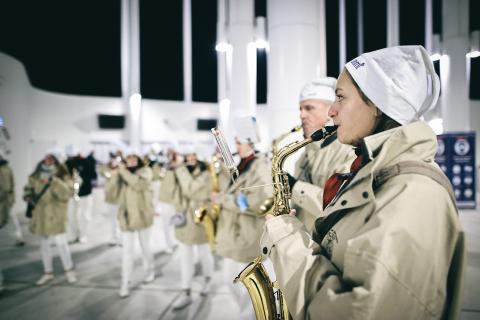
337 180
245 163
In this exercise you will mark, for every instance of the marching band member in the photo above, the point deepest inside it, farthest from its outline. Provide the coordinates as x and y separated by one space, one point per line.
391 244
320 159
48 190
135 216
193 180
239 226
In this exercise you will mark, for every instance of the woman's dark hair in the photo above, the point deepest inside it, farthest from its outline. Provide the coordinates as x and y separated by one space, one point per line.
139 165
384 122
61 169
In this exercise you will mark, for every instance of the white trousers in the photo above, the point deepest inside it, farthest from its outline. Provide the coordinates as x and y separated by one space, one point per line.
17 230
187 263
166 211
112 211
63 250
231 269
128 252
79 215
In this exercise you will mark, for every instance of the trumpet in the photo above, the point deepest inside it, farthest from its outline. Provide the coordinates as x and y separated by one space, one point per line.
254 277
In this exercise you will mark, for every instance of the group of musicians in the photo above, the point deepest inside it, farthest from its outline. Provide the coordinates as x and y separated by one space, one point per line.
373 231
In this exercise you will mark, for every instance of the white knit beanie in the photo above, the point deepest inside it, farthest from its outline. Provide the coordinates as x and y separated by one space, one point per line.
401 81
321 89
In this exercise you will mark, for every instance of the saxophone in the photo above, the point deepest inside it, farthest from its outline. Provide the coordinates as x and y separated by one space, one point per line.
208 214
254 277
266 206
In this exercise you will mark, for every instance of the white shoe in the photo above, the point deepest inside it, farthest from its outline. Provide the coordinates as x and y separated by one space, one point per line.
44 279
149 278
183 301
124 291
71 276
206 286
83 240
168 250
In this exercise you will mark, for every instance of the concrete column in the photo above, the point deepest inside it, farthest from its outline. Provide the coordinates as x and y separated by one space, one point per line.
187 51
393 24
342 30
241 34
454 99
130 64
360 26
294 58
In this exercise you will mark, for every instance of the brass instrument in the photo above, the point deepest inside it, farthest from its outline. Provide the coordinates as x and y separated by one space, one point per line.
266 206
208 214
77 182
254 276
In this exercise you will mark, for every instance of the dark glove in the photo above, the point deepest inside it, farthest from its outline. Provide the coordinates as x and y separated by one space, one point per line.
291 181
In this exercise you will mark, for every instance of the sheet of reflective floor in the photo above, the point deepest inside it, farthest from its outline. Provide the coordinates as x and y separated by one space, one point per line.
94 296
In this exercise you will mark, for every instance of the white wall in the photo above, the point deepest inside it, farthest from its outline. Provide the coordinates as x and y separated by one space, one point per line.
39 120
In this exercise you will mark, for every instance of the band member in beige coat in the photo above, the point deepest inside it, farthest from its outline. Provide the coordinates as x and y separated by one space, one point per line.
49 188
239 226
392 245
193 179
135 216
320 159
112 196
7 197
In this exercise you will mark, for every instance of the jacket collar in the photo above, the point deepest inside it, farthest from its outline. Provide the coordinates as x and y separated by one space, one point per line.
415 141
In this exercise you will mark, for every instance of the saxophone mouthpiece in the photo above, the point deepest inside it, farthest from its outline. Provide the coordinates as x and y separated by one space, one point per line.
323 133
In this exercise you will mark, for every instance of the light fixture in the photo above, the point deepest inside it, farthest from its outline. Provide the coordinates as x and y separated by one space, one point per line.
437 50
222 39
474 45
223 47
261 33
135 101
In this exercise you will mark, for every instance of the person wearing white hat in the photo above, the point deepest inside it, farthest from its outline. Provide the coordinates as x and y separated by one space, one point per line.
82 170
135 216
7 199
391 244
47 193
193 179
239 224
320 159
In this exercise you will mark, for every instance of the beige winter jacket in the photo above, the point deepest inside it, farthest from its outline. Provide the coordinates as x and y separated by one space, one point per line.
49 217
135 198
238 234
170 191
7 192
398 253
111 187
317 164
195 189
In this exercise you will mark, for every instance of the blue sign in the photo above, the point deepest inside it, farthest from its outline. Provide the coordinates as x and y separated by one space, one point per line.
456 156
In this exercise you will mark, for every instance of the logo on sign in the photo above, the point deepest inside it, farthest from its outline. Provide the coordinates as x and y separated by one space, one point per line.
461 147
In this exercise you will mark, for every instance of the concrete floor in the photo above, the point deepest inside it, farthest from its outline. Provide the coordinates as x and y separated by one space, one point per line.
94 296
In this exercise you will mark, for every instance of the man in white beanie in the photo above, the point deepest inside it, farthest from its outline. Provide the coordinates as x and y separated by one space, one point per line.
239 225
390 244
320 159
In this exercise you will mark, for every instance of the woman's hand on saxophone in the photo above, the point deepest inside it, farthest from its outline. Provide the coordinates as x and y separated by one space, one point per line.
293 213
